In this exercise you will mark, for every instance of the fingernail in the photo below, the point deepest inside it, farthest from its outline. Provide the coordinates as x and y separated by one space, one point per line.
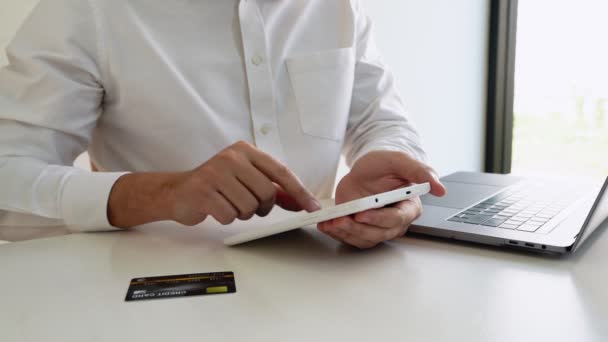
314 205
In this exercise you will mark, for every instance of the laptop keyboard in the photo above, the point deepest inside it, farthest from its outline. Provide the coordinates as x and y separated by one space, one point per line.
525 208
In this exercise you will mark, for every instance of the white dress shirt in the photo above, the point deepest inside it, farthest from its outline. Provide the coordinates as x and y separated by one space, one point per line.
155 85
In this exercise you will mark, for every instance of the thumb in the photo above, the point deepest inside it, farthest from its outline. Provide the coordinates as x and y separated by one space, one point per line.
417 172
437 188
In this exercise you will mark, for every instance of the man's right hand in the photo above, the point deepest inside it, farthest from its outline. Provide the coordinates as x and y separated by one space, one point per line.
239 182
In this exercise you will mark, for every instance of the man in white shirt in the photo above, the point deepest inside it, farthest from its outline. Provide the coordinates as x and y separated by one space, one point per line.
214 108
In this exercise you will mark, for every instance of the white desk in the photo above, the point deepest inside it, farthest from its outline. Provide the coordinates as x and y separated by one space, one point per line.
300 286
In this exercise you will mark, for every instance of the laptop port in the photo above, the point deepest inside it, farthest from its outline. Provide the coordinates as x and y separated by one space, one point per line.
513 242
529 245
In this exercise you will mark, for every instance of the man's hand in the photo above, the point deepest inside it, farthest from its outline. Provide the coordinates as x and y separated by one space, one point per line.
238 182
374 173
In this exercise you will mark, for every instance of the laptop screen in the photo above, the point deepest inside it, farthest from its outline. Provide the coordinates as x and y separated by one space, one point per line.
597 217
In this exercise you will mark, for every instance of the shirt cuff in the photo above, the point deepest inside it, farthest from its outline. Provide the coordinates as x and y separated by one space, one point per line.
84 200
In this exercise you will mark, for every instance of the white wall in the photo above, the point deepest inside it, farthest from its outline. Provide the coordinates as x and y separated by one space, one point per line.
437 50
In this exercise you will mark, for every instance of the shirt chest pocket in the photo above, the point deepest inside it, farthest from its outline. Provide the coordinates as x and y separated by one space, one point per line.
323 84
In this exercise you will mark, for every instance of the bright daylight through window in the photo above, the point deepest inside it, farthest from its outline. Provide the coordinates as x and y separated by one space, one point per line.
561 88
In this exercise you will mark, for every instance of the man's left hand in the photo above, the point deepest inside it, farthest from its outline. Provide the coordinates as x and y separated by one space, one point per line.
374 173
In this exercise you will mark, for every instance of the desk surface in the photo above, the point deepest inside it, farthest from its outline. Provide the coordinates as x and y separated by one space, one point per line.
300 286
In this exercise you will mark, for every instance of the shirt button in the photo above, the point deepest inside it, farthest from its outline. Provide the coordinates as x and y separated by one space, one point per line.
265 129
257 60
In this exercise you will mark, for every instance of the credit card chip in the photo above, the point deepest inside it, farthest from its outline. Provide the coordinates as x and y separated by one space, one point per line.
217 289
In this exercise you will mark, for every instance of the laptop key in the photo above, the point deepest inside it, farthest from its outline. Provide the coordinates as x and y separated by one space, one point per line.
510 211
508 226
528 227
471 211
477 219
482 206
515 223
493 222
531 210
457 219
519 218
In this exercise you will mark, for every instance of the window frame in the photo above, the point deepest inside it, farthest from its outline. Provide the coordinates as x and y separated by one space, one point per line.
501 85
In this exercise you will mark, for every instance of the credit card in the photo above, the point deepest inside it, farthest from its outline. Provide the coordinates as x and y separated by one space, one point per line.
183 285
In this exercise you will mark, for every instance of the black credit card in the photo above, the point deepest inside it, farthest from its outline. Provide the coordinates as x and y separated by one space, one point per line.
183 285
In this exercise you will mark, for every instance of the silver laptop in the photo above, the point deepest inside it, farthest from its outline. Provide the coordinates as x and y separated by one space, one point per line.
503 210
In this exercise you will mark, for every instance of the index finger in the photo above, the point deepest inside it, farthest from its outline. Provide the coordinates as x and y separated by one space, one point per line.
284 177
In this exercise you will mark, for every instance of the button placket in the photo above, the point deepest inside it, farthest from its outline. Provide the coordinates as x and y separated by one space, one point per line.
257 60
259 78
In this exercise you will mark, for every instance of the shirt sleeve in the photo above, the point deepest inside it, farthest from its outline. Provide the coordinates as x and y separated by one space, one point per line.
378 118
51 97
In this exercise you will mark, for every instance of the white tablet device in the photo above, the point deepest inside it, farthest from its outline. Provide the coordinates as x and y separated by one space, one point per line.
326 214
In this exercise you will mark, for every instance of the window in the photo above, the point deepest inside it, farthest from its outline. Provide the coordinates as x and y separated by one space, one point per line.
548 95
561 88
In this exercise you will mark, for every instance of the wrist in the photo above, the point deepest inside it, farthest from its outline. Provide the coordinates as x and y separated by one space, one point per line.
140 198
